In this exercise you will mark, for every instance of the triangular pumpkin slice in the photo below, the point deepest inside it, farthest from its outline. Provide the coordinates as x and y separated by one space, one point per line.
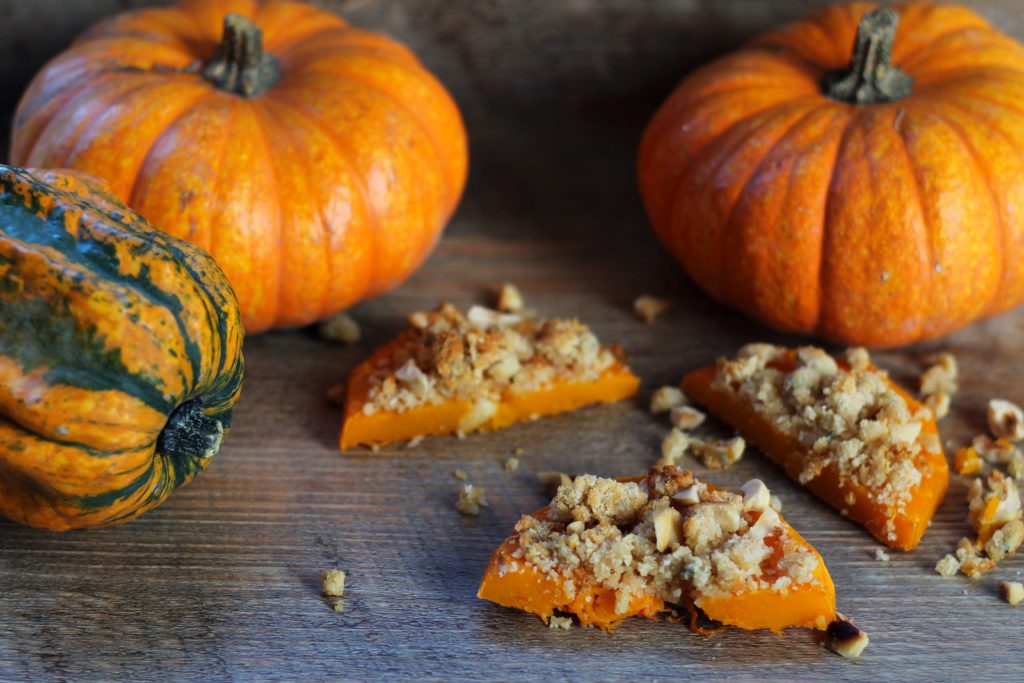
840 427
608 549
452 373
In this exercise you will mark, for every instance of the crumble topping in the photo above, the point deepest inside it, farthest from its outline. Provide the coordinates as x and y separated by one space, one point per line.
560 623
881 555
1012 591
668 534
480 356
717 454
340 328
938 383
512 465
673 447
664 399
845 413
1005 419
471 499
510 300
332 583
686 417
648 308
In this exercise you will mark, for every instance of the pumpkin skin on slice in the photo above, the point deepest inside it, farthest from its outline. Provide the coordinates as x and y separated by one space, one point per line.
897 525
455 413
511 580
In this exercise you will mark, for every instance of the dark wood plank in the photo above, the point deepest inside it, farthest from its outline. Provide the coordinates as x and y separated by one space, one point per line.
222 582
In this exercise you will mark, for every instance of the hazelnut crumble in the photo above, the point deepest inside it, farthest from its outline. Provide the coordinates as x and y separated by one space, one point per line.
1005 420
667 534
1012 591
510 300
341 327
560 623
332 583
648 308
665 399
471 499
512 465
939 383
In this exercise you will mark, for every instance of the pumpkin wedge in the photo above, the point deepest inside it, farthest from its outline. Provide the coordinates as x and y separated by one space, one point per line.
453 373
842 428
606 549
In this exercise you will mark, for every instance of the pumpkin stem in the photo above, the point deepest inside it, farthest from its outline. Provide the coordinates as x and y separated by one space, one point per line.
190 433
241 66
871 77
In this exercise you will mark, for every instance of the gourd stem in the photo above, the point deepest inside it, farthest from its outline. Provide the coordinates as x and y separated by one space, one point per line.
871 77
190 433
241 66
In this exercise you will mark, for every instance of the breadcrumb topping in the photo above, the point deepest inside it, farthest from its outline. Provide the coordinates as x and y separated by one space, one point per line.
471 499
479 356
609 532
845 413
939 382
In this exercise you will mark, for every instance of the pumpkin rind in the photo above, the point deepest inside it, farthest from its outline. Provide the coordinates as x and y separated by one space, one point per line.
876 224
329 187
120 355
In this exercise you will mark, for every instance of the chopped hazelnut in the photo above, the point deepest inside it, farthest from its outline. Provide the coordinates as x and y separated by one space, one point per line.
413 378
688 496
510 300
487 318
939 403
717 454
844 638
686 418
665 399
341 327
482 411
460 474
881 555
414 441
667 528
471 499
1012 591
1005 419
648 308
756 496
673 446
332 582
947 566
512 465
560 623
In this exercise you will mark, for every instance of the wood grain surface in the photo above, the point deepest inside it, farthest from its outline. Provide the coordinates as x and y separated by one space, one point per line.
222 582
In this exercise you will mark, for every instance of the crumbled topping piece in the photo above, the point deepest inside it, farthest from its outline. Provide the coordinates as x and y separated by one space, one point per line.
1015 467
996 452
972 563
967 461
665 399
460 474
947 566
992 502
512 465
881 555
482 411
332 582
673 447
471 499
341 328
1012 591
848 415
648 308
1005 419
336 394
551 480
939 383
686 418
756 496
560 623
414 441
667 534
481 356
844 638
510 300
1005 540
938 403
717 454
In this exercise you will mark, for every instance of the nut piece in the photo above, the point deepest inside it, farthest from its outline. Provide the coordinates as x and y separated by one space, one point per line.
686 418
967 461
460 474
648 308
667 528
1005 419
688 496
718 455
332 582
486 318
512 465
673 447
413 378
560 623
551 480
881 555
341 328
1012 591
471 499
948 566
482 411
844 638
510 300
755 496
665 399
939 404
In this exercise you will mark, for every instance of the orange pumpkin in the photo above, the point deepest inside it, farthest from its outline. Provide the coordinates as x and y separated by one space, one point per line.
870 199
316 162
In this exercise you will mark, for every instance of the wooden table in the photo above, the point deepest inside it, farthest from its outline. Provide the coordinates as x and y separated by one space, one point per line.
222 582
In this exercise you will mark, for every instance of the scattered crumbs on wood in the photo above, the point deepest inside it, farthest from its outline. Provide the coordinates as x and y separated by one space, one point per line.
460 474
1012 591
510 299
512 465
520 451
414 441
375 447
648 308
340 328
881 555
471 499
560 623
332 583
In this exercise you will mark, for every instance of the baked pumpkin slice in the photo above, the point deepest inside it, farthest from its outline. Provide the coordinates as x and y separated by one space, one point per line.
842 428
451 373
606 549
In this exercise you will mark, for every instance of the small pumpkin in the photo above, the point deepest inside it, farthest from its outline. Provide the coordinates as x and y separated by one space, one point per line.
120 355
870 197
316 162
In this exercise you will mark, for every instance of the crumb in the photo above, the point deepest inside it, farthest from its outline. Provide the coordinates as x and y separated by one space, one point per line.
339 606
717 454
341 328
648 308
686 418
1005 420
665 399
560 623
414 441
332 582
967 461
1012 591
460 474
881 555
844 638
336 394
938 383
510 300
471 499
512 465
375 447
673 447
519 451
947 566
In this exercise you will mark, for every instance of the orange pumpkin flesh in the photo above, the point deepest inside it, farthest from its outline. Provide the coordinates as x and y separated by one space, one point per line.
316 162
383 427
511 581
908 524
850 217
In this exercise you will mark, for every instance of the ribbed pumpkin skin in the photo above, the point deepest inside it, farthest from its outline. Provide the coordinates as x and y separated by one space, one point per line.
107 327
876 224
330 187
